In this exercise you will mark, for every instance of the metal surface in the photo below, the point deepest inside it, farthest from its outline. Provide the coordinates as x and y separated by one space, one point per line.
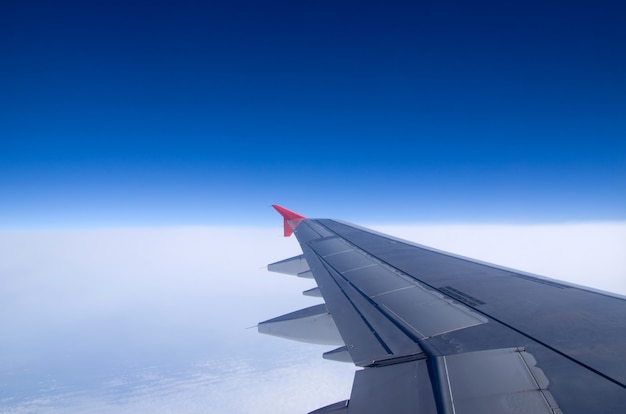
336 408
292 266
495 381
462 335
312 325
340 354
315 292
400 389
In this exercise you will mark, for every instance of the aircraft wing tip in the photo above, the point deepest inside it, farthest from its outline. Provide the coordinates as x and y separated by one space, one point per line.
291 219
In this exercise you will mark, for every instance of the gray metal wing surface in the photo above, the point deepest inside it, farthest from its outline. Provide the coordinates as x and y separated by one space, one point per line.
434 332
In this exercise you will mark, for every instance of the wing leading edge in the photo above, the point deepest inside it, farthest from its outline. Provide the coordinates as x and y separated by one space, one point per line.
437 333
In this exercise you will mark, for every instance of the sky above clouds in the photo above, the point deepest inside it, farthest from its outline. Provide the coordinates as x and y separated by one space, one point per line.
142 143
186 113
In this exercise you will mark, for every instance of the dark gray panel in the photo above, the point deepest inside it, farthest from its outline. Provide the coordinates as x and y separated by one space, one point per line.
356 333
400 388
576 388
424 311
387 331
347 261
427 312
304 232
496 381
376 279
329 246
361 270
319 229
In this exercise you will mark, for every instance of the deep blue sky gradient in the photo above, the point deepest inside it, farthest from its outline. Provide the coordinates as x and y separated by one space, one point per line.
182 113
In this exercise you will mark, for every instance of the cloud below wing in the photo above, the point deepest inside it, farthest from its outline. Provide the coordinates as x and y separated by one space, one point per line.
153 319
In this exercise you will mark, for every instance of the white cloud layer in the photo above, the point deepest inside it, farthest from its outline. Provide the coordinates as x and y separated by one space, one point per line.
137 320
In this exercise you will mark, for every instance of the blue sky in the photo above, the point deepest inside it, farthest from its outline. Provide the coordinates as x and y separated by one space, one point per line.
186 113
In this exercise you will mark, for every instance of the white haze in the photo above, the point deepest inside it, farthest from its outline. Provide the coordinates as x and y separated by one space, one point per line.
137 320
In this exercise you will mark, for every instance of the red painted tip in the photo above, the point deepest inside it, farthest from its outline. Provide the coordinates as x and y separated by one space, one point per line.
288 214
290 219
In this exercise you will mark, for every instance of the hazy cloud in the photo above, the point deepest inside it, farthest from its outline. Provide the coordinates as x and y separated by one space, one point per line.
133 320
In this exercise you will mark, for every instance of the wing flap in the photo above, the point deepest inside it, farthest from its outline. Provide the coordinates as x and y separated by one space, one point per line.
400 389
427 312
312 325
495 381
291 266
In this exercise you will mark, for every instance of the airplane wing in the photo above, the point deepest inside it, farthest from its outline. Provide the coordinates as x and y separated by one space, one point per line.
435 332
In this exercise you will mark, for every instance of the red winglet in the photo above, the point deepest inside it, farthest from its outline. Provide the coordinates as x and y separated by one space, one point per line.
291 219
